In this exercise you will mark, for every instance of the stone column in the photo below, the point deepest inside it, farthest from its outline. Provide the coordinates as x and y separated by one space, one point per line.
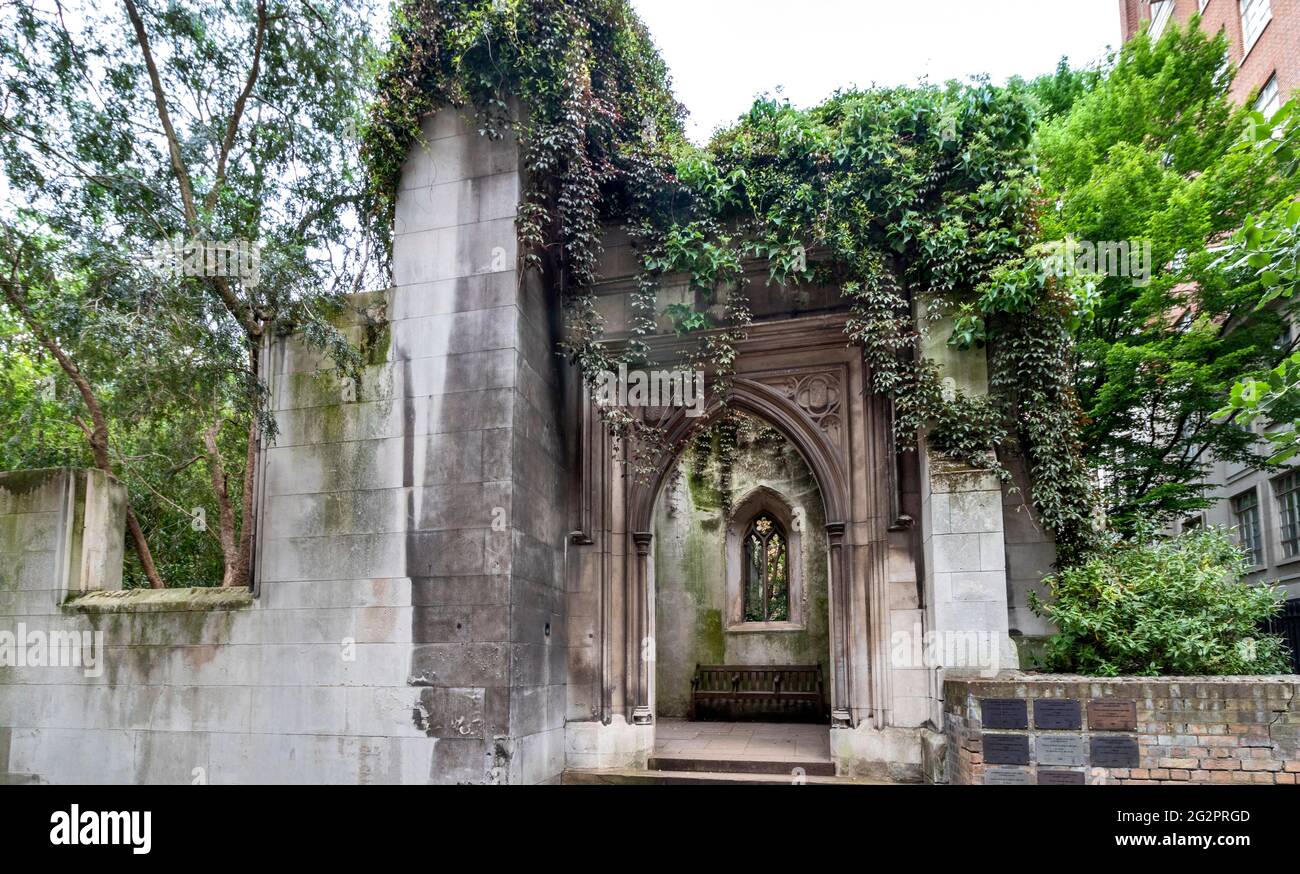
841 679
642 713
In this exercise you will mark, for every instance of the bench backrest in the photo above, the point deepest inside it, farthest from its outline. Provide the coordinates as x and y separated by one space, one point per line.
758 678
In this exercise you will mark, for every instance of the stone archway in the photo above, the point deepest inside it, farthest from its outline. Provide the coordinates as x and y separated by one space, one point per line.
828 467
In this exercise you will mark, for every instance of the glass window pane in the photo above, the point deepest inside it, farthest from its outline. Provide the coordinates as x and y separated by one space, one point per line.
753 578
778 585
1245 510
1287 490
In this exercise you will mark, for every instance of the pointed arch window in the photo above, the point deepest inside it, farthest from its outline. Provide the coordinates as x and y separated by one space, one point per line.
767 575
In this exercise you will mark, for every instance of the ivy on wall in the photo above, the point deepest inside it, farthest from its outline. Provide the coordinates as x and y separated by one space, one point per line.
919 204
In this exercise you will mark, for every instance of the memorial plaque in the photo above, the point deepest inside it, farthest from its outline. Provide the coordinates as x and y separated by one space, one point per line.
1107 714
1116 751
1061 778
1057 713
1007 777
1061 749
1004 713
1006 749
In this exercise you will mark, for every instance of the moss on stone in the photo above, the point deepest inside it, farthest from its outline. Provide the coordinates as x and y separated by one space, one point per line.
22 482
331 423
161 600
704 494
376 342
711 641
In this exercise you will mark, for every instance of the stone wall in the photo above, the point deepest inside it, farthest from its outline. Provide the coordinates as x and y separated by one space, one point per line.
61 533
1031 555
307 685
965 569
1124 730
409 620
692 622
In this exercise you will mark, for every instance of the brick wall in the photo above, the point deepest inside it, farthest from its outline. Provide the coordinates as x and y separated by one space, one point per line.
1178 729
1277 50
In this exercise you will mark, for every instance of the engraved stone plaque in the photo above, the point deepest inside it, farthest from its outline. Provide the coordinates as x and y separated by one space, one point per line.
1007 777
1057 713
1006 749
1115 751
1107 714
1060 778
1061 749
1004 713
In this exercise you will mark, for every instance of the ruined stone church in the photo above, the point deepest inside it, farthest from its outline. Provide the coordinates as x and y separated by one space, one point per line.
459 581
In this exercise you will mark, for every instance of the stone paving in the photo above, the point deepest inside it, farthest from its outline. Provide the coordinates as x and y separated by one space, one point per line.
757 741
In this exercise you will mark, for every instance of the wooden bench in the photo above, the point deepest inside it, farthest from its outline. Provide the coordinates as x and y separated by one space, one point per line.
764 693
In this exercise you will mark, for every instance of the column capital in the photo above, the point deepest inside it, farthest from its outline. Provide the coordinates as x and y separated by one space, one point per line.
642 540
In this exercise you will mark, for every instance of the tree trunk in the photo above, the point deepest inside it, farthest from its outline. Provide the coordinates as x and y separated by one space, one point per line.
225 513
243 570
243 575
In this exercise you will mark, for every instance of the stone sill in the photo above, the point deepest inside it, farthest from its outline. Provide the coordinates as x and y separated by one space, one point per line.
765 627
161 600
1031 678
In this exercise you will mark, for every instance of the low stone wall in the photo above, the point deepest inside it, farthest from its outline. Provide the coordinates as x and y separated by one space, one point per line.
306 684
1044 729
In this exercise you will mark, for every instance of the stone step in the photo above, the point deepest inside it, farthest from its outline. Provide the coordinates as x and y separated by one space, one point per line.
634 777
783 767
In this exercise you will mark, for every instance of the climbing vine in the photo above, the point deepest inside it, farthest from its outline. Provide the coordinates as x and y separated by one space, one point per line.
919 204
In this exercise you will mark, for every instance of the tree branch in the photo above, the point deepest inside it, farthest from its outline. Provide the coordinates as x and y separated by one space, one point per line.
232 126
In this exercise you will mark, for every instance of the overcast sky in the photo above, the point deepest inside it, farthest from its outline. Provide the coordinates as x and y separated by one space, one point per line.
722 53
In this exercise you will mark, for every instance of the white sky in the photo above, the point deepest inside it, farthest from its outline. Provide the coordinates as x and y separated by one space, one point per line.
723 53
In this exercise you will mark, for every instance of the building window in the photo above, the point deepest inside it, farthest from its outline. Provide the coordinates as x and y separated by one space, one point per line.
1287 490
767 582
1245 510
764 564
1160 12
1269 100
1191 523
1285 339
1255 15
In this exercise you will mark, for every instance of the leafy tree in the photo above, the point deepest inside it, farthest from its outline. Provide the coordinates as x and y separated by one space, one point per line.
1150 607
141 125
1268 246
25 282
1057 92
1146 156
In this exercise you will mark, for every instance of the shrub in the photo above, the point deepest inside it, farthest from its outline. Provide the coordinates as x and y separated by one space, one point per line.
1153 607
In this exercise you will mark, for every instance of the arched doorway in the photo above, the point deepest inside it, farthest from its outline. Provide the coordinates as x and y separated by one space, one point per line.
776 408
740 574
